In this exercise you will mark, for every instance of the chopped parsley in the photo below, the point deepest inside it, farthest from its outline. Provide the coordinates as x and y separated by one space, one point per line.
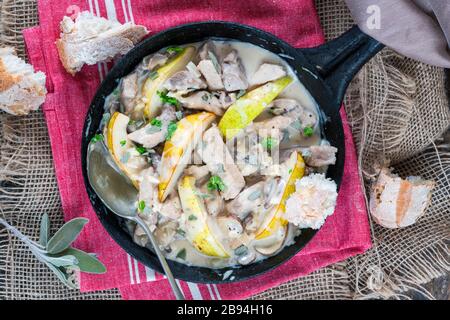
290 171
123 142
174 50
192 217
215 183
269 143
308 132
171 128
166 99
141 206
141 149
97 137
181 254
156 123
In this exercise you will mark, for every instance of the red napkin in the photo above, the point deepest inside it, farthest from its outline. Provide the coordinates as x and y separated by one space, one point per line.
345 234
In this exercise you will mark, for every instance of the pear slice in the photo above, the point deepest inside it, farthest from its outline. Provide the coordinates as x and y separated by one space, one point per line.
195 220
153 84
177 151
118 144
274 219
241 113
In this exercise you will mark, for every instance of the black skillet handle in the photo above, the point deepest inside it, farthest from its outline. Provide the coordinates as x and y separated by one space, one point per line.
339 60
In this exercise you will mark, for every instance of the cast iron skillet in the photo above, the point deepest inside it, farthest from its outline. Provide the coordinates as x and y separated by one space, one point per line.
325 71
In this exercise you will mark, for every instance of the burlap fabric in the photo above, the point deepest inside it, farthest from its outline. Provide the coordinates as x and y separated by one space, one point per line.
398 110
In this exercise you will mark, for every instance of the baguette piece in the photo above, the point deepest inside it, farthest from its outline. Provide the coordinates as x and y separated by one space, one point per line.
21 88
91 39
398 203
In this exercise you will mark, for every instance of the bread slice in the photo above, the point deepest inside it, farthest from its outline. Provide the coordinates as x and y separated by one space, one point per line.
21 89
91 39
398 203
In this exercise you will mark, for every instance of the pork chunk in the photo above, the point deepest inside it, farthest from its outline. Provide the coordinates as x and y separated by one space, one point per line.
184 81
129 91
217 157
267 72
233 73
151 135
208 69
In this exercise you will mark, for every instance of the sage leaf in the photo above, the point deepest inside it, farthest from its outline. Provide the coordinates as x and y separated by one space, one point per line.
44 232
64 237
62 276
62 261
86 262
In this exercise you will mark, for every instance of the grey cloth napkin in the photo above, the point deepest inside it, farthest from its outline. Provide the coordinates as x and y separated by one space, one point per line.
419 29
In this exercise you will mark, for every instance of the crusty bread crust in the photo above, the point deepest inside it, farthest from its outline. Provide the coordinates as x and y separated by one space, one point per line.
21 88
76 49
396 202
7 80
64 57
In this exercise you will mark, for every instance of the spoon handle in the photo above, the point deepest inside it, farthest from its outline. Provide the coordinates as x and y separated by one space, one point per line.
175 288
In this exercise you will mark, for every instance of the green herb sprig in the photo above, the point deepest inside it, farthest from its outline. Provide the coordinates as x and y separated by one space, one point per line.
171 128
216 183
308 132
167 99
56 251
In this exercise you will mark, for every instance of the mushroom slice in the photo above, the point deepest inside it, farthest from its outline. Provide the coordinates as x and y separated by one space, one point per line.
230 226
320 156
292 109
202 100
272 245
247 201
157 60
165 233
184 81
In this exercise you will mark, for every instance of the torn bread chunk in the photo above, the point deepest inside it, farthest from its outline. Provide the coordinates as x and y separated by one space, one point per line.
398 203
216 156
91 39
21 88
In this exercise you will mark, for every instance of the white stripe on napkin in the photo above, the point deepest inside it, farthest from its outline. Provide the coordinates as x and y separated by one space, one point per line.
195 291
150 274
130 269
136 271
208 286
124 11
131 11
216 290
